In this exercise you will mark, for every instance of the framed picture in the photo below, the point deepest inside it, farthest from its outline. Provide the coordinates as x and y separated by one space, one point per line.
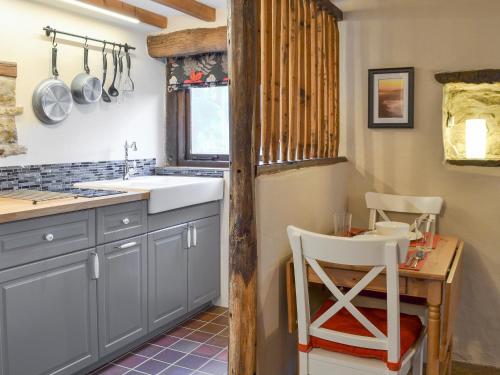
391 98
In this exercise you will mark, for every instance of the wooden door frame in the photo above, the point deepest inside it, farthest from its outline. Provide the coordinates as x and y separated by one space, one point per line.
243 64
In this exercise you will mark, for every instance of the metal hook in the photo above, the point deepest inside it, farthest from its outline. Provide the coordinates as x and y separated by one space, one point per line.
104 47
86 45
54 44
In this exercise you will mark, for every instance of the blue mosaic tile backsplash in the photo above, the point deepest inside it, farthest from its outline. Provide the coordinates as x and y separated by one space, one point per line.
63 176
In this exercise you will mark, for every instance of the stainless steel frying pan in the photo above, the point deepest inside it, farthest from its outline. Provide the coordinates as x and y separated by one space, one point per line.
52 101
86 89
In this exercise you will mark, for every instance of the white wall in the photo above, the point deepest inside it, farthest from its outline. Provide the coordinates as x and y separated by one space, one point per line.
176 23
432 36
94 132
306 198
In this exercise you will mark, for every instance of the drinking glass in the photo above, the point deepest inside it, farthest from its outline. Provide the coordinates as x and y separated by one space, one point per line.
425 230
342 224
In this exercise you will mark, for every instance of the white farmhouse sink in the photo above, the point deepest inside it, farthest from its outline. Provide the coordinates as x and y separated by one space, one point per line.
166 192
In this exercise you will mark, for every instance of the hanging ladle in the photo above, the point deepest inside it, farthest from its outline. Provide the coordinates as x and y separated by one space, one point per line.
128 85
105 95
112 91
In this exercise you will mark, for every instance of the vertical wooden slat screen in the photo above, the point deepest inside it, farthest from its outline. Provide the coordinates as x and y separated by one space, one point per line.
275 78
266 79
314 82
320 82
307 77
293 77
331 89
284 81
336 45
325 83
260 97
301 92
299 81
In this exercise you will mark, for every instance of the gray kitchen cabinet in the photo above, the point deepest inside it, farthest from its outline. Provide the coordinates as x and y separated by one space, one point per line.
63 308
203 261
167 275
121 221
122 293
48 316
32 240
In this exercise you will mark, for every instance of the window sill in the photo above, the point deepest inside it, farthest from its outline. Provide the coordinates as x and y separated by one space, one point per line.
279 167
190 171
475 163
203 163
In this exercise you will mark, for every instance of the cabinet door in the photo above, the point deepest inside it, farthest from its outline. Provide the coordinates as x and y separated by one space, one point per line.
48 317
167 275
122 293
204 262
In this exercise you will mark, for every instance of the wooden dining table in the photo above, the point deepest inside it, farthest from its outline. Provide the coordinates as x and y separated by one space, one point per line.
437 284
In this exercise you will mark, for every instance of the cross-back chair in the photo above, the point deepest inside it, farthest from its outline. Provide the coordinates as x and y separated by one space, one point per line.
342 338
378 203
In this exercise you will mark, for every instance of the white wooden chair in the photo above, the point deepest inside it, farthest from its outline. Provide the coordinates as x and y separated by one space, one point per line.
379 203
379 253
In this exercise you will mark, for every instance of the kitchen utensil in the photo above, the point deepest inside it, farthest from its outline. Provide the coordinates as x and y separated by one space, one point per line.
86 89
119 85
112 91
128 85
105 96
410 260
52 101
420 255
342 224
392 228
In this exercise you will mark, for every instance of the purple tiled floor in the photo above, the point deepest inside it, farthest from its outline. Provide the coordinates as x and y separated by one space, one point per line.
196 347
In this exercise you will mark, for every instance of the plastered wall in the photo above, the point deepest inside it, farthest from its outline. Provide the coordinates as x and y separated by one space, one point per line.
432 36
306 198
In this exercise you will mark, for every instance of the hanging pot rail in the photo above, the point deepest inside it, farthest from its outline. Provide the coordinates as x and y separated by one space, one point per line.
49 31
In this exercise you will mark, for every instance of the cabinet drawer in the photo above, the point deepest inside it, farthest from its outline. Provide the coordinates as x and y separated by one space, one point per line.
36 239
121 221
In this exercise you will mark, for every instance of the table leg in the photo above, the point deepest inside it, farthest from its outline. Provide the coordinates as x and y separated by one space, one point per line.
434 299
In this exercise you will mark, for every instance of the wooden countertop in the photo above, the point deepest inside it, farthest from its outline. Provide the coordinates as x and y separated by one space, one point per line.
15 209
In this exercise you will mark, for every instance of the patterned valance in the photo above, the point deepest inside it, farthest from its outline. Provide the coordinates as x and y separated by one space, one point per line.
198 71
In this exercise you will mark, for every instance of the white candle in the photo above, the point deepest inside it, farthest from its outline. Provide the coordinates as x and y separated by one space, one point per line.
476 134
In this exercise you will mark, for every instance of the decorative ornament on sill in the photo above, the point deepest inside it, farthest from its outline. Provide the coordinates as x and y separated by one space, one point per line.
471 117
8 111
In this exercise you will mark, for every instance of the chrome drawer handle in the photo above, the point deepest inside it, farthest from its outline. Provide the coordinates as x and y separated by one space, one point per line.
96 269
126 221
49 237
126 246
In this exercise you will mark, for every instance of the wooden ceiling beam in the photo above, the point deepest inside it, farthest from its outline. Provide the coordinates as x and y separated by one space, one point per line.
331 8
192 8
143 15
8 69
188 42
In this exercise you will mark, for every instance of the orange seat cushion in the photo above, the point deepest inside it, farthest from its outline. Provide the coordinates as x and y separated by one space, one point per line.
343 321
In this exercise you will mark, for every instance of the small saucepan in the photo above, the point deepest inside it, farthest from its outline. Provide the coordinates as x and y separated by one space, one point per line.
86 89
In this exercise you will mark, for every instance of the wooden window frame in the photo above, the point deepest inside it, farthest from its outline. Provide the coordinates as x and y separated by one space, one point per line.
184 156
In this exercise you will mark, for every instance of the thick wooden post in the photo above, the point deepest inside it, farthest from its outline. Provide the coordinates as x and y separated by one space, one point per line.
243 71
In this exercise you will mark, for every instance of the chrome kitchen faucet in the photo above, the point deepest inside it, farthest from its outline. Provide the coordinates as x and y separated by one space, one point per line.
128 170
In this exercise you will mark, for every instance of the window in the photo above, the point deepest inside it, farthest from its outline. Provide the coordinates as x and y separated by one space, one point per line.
203 114
471 125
